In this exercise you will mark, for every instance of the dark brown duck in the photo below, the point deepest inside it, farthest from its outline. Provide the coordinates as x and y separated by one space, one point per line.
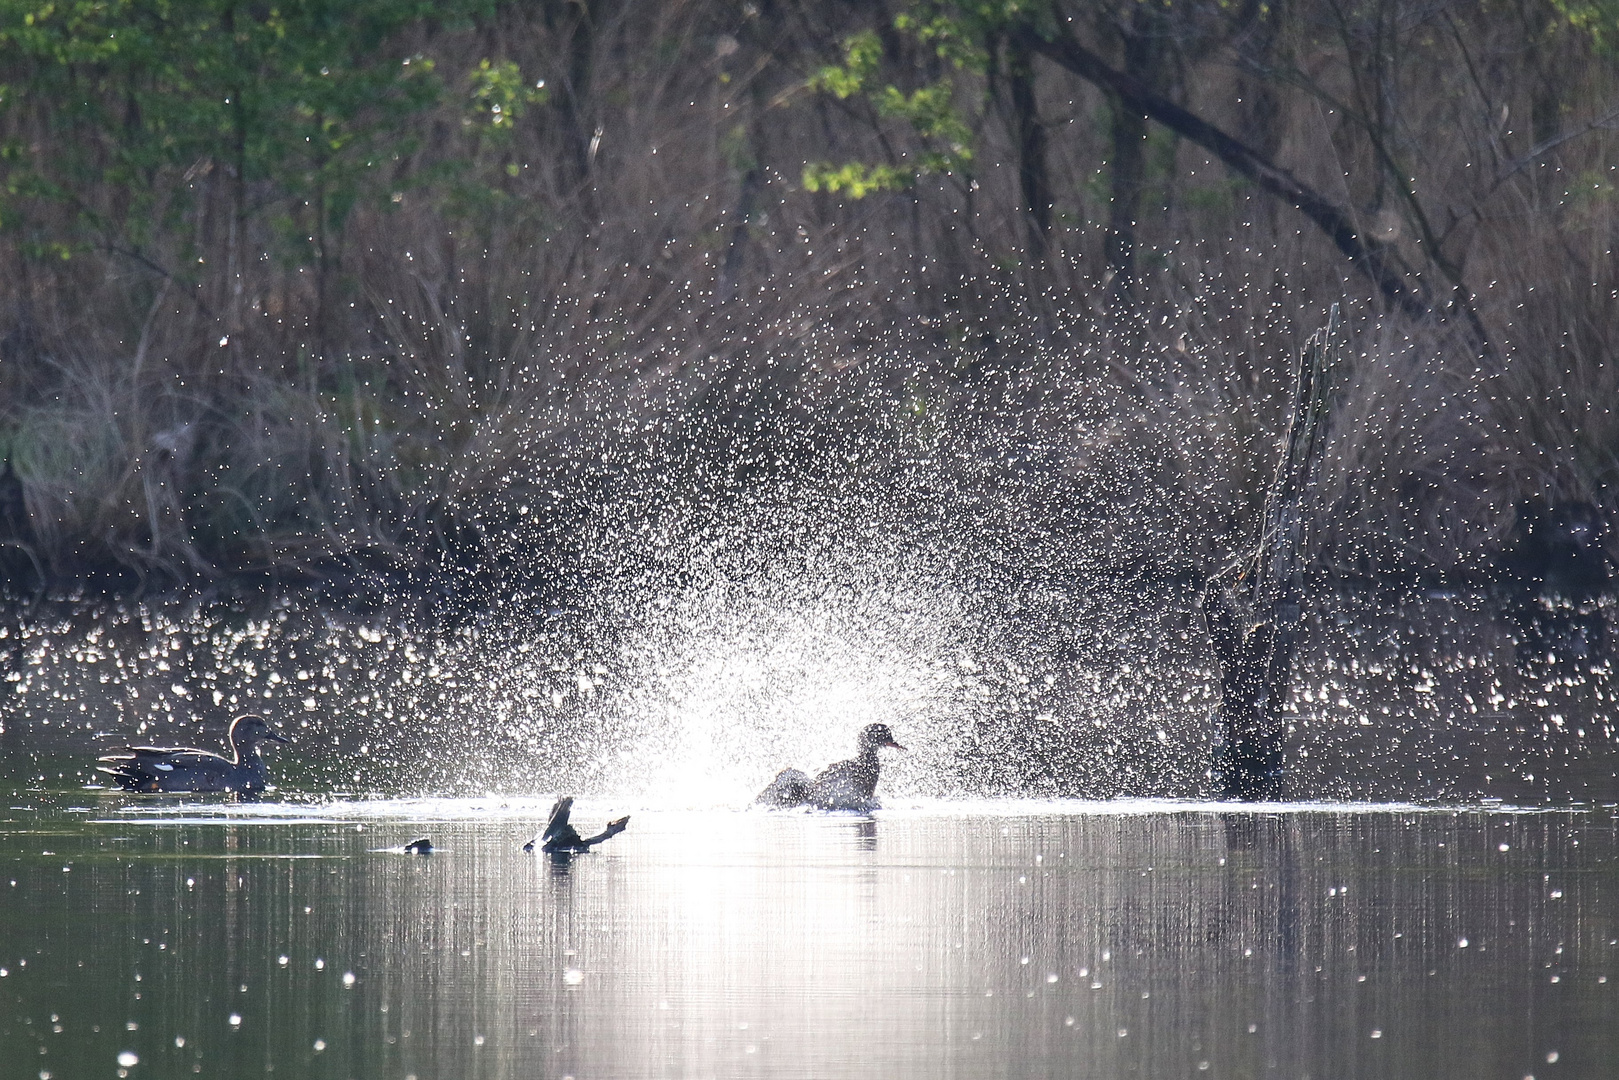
843 785
560 837
181 768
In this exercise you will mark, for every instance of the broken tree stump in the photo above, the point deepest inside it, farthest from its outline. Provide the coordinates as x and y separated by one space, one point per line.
1254 607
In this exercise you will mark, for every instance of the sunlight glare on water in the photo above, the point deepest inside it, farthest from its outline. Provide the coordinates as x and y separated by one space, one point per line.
698 692
750 702
936 939
1047 892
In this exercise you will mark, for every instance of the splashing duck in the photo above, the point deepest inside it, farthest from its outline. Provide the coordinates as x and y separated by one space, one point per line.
559 836
843 785
181 768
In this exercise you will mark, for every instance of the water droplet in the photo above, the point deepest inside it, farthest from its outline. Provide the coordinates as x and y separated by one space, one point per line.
573 976
129 1059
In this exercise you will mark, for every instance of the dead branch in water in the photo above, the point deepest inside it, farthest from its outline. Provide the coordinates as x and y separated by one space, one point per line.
1254 607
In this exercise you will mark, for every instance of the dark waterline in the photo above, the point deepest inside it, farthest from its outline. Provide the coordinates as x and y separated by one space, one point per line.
938 940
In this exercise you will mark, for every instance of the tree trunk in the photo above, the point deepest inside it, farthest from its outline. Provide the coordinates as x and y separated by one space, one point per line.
1034 177
582 136
1253 608
1143 50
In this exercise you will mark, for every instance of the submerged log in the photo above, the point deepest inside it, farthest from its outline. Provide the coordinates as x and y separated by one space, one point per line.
1253 608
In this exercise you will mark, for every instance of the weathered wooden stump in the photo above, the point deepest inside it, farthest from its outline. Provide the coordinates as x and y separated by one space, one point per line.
1253 608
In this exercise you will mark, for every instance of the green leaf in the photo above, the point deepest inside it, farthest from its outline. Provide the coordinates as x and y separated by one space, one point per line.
855 179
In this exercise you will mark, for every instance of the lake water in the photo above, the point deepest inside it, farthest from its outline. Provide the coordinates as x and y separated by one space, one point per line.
168 937
1459 918
697 696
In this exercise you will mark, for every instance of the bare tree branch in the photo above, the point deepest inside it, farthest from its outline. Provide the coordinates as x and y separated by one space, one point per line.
1367 256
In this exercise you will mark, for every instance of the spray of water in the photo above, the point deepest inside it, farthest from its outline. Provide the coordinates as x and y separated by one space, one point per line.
995 551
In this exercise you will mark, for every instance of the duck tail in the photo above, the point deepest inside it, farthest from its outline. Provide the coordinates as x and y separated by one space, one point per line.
791 787
124 773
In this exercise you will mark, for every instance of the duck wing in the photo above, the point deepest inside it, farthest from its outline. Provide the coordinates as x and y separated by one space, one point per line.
558 834
176 755
557 823
846 785
157 768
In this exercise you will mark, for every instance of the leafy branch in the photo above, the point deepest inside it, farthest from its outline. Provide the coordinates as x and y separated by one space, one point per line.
929 111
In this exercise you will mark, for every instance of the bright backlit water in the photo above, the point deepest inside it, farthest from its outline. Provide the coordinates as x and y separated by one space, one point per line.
1047 893
937 939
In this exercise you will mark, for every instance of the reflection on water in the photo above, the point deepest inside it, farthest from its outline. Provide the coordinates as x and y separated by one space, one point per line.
936 940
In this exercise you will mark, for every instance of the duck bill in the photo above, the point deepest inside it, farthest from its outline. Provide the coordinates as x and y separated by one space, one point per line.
893 744
277 737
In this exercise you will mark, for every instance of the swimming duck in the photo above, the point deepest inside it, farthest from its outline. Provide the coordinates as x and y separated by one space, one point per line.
559 836
180 768
843 785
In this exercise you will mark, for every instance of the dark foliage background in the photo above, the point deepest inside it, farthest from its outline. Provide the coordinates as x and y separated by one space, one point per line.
436 293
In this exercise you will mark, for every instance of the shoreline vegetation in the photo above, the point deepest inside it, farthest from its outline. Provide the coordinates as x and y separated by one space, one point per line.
449 295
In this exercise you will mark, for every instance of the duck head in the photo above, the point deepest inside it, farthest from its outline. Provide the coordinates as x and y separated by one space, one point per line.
249 730
873 736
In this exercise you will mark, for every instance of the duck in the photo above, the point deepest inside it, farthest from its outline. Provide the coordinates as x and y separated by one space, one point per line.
560 837
182 768
843 785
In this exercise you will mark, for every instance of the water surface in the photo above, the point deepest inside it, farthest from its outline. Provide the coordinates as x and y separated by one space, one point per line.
935 939
1471 932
